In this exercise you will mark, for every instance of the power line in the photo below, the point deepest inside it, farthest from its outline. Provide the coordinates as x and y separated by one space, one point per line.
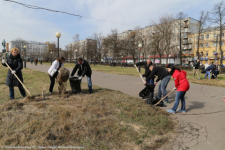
80 16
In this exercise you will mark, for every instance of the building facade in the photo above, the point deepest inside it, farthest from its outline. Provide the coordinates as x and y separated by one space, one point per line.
33 50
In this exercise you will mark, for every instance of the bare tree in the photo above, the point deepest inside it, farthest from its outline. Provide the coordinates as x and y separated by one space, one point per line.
113 43
179 25
204 16
218 14
19 43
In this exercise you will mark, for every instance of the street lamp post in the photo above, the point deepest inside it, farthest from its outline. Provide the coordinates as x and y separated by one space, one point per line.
139 46
121 61
51 58
76 54
58 35
25 55
37 59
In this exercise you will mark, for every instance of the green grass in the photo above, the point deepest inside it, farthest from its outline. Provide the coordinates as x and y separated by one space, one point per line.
106 119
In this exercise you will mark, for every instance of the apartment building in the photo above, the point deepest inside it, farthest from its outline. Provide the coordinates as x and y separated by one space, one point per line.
208 45
180 28
84 48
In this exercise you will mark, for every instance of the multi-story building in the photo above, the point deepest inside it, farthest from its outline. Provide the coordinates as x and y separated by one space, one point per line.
208 45
33 50
85 48
181 29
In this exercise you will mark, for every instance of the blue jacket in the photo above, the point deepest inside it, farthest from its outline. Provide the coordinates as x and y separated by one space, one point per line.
211 67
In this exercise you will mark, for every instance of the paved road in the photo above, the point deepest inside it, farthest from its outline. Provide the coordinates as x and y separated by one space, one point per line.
202 127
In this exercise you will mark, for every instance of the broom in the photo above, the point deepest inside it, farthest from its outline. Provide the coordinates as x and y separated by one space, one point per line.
30 97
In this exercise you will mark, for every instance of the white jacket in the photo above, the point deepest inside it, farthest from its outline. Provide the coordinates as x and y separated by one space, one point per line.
54 67
206 66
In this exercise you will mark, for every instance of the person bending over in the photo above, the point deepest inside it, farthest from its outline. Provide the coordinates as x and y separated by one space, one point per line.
53 71
181 85
164 76
147 71
209 70
84 69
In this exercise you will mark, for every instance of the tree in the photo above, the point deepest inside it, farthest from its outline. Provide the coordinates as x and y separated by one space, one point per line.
113 44
218 14
204 16
179 21
19 43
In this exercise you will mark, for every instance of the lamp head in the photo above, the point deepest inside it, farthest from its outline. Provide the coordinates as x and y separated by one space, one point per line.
58 34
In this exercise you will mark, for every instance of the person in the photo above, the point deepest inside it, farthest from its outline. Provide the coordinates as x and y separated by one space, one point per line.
54 70
84 69
196 66
216 69
147 71
15 63
207 65
181 85
209 70
164 76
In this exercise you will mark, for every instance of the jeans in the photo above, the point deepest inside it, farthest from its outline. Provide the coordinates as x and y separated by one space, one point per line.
11 91
151 81
179 96
207 73
162 87
89 84
52 83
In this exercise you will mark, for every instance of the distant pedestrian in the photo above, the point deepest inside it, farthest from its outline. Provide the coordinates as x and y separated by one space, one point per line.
196 66
209 70
164 76
181 85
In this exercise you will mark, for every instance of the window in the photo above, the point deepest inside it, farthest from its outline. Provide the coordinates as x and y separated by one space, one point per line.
201 53
206 54
189 46
201 45
214 35
202 37
196 45
222 34
222 44
207 45
189 39
214 44
196 53
196 37
207 36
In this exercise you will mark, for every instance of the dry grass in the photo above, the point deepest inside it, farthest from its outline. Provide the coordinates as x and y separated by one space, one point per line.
105 119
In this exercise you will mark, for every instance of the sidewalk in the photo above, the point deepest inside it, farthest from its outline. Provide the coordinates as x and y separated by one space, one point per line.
202 127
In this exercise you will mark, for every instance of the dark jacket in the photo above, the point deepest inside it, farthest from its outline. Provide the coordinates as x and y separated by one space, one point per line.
158 71
84 69
16 64
196 64
147 70
211 67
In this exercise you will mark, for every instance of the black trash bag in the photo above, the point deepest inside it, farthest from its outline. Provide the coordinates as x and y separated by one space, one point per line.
153 100
75 85
147 90
203 71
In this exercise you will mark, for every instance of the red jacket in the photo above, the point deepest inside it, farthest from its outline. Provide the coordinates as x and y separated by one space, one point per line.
181 82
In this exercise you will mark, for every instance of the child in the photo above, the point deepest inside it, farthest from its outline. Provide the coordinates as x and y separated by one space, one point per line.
182 86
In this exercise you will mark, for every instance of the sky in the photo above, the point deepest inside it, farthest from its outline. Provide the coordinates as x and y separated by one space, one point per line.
17 21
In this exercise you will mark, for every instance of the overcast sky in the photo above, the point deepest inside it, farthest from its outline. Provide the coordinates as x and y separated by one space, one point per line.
18 21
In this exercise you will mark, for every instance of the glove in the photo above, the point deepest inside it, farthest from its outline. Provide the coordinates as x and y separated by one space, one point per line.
175 88
193 67
134 65
58 71
13 72
3 61
71 77
79 78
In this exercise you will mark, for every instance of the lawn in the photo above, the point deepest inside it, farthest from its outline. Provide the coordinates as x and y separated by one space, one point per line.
106 119
133 72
